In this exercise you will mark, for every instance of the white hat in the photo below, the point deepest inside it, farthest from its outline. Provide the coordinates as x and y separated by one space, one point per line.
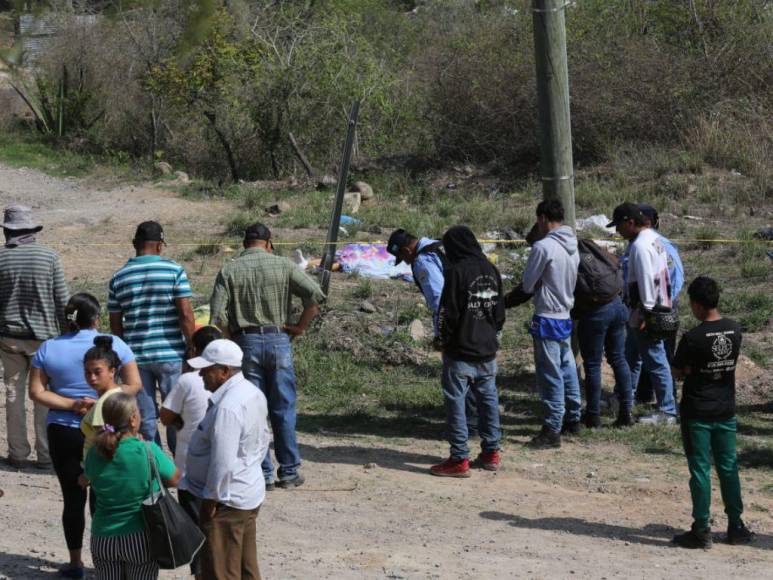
219 352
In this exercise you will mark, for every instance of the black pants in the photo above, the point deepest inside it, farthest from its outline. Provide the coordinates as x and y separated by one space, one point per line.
66 448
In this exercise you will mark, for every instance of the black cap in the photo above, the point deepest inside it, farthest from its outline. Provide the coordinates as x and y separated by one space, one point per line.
257 231
149 232
399 239
624 212
650 213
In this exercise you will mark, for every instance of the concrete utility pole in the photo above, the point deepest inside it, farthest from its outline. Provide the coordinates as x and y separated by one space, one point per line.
555 129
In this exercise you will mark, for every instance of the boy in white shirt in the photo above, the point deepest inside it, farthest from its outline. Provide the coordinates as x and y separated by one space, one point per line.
649 286
184 408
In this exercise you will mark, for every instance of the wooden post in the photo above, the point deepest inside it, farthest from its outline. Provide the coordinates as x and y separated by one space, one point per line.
555 130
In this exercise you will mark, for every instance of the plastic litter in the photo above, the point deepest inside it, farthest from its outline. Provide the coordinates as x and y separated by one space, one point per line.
599 221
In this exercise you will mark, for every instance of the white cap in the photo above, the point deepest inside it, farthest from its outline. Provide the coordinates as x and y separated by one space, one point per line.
219 352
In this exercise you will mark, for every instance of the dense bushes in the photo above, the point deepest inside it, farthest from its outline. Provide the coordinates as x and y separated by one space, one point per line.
220 87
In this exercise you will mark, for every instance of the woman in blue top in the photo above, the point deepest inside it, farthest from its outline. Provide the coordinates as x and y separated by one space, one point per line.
57 381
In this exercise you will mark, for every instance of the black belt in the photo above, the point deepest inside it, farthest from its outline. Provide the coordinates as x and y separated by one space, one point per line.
259 330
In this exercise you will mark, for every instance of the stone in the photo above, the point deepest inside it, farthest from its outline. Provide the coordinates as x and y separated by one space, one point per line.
417 331
370 466
327 182
163 167
352 201
365 190
182 177
277 207
366 306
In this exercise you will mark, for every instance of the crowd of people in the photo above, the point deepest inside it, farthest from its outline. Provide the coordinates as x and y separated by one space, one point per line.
623 308
222 387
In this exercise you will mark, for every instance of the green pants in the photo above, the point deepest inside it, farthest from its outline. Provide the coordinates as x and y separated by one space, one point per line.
715 439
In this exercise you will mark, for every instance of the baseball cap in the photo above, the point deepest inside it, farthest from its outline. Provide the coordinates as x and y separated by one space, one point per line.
149 232
219 352
257 231
624 212
650 213
398 239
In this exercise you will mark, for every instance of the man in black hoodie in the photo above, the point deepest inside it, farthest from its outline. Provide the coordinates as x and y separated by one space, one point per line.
472 312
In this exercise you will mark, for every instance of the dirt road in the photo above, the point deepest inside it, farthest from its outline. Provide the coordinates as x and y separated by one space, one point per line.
369 509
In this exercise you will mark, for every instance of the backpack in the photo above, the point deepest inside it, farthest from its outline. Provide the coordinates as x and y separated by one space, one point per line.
437 249
599 276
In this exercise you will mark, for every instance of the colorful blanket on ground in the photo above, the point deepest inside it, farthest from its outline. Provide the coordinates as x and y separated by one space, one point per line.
371 261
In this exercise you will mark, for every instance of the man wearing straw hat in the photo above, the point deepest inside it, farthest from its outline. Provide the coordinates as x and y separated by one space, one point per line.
33 295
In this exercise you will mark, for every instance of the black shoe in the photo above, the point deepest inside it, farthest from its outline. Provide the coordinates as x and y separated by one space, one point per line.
739 534
571 428
624 420
296 481
695 539
592 421
15 463
70 571
546 439
270 486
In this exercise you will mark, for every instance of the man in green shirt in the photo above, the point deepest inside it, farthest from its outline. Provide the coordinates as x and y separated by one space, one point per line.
252 303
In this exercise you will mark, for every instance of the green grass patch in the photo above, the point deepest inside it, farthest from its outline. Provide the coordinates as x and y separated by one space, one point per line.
26 149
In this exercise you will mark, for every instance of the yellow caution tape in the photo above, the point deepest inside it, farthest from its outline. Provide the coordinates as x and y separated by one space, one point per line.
298 243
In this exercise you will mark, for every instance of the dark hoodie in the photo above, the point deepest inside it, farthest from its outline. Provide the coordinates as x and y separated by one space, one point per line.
472 308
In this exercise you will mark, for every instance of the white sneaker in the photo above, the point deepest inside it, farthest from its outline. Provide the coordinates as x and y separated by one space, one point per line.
658 419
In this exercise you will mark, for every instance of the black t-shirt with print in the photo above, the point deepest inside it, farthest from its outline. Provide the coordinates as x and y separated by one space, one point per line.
710 352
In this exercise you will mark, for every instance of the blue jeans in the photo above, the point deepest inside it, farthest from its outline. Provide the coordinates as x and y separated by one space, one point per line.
162 376
559 387
603 332
458 379
268 364
642 351
643 390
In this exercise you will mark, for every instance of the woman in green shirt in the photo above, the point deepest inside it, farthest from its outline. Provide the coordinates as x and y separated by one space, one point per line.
118 469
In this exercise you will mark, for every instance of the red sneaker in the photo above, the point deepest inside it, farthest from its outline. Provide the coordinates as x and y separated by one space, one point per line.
452 468
488 460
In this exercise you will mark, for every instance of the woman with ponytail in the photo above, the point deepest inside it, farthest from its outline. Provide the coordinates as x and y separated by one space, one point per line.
118 468
57 381
100 366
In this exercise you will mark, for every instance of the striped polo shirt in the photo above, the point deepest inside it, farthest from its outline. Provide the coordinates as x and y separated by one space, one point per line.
144 291
33 292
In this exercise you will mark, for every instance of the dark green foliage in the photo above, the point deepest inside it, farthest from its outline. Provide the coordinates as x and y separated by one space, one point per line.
226 83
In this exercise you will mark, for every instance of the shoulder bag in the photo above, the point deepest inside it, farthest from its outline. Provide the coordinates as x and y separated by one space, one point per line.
173 537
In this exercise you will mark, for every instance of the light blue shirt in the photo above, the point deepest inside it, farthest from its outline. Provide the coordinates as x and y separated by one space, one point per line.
428 273
228 446
675 267
61 358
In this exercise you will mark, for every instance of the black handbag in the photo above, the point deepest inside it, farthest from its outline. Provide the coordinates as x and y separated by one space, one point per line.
174 539
661 322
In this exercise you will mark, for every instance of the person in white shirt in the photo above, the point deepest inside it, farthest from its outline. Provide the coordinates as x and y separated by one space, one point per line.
648 286
223 468
184 407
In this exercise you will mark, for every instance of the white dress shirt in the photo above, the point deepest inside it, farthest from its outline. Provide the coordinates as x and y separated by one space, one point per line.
228 446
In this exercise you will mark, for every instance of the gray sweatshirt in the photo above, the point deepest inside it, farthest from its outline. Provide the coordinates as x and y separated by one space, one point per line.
551 273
